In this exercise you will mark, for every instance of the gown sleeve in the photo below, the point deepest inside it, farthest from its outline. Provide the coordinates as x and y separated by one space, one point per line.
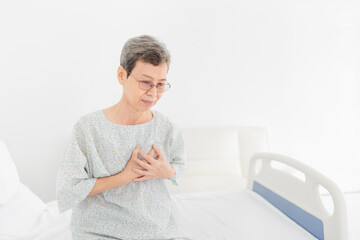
177 155
73 183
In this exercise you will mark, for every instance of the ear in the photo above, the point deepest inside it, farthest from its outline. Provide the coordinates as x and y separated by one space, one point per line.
121 74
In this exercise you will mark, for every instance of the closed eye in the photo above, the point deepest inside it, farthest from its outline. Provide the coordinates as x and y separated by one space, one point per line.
147 82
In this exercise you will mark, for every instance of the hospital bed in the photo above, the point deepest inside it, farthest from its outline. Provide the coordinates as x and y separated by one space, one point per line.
233 188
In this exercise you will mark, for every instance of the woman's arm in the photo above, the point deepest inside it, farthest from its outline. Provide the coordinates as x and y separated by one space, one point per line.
105 183
120 179
177 155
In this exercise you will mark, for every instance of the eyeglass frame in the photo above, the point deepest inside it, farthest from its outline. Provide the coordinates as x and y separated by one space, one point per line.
151 83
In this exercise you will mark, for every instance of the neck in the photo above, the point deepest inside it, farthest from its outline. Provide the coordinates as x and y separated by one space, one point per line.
124 113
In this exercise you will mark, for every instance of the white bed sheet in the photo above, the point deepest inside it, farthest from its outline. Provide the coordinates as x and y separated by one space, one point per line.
235 214
48 227
26 217
218 216
207 215
214 215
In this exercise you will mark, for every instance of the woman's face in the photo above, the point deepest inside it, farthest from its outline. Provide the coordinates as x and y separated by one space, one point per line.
146 72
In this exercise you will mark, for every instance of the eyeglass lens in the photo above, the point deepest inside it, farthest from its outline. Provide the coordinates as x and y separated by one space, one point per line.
160 87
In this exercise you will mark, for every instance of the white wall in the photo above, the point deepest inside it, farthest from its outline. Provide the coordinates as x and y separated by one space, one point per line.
292 66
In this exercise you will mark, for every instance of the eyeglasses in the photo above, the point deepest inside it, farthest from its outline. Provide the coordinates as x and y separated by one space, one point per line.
146 85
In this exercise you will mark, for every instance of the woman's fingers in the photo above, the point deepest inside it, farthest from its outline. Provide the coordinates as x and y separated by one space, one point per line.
142 163
146 157
158 151
141 178
139 171
136 151
151 153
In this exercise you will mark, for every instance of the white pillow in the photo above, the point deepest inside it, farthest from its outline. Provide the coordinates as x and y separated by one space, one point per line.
9 177
211 151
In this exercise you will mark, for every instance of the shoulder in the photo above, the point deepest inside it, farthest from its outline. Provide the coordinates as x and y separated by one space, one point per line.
87 120
167 123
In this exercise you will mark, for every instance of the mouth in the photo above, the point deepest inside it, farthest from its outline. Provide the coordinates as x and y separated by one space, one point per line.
148 102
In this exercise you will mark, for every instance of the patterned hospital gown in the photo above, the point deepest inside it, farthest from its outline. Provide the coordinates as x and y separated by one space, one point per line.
138 210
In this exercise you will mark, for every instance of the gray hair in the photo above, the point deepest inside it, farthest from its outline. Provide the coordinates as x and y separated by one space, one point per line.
145 48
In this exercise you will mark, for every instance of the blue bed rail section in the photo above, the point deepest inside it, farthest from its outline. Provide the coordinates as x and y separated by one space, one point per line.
309 222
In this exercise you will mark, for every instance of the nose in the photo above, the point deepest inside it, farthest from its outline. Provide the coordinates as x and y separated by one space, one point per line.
153 91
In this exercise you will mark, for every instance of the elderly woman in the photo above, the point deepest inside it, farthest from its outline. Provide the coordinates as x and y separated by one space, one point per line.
114 171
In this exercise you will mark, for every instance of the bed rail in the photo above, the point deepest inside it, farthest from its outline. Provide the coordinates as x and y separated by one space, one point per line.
298 198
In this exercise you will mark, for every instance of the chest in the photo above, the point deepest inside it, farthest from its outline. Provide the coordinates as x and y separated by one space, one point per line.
111 150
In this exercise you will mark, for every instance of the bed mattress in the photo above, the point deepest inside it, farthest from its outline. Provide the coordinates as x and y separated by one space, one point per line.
235 214
220 215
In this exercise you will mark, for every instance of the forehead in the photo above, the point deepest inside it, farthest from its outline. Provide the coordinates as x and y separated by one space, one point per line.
149 71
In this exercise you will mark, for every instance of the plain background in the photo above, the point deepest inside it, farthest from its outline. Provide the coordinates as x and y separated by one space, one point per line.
291 66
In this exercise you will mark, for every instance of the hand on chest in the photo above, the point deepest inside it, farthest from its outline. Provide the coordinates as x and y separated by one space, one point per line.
111 153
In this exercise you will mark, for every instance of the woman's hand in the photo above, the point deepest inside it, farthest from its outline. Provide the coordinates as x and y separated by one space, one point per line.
158 167
130 174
